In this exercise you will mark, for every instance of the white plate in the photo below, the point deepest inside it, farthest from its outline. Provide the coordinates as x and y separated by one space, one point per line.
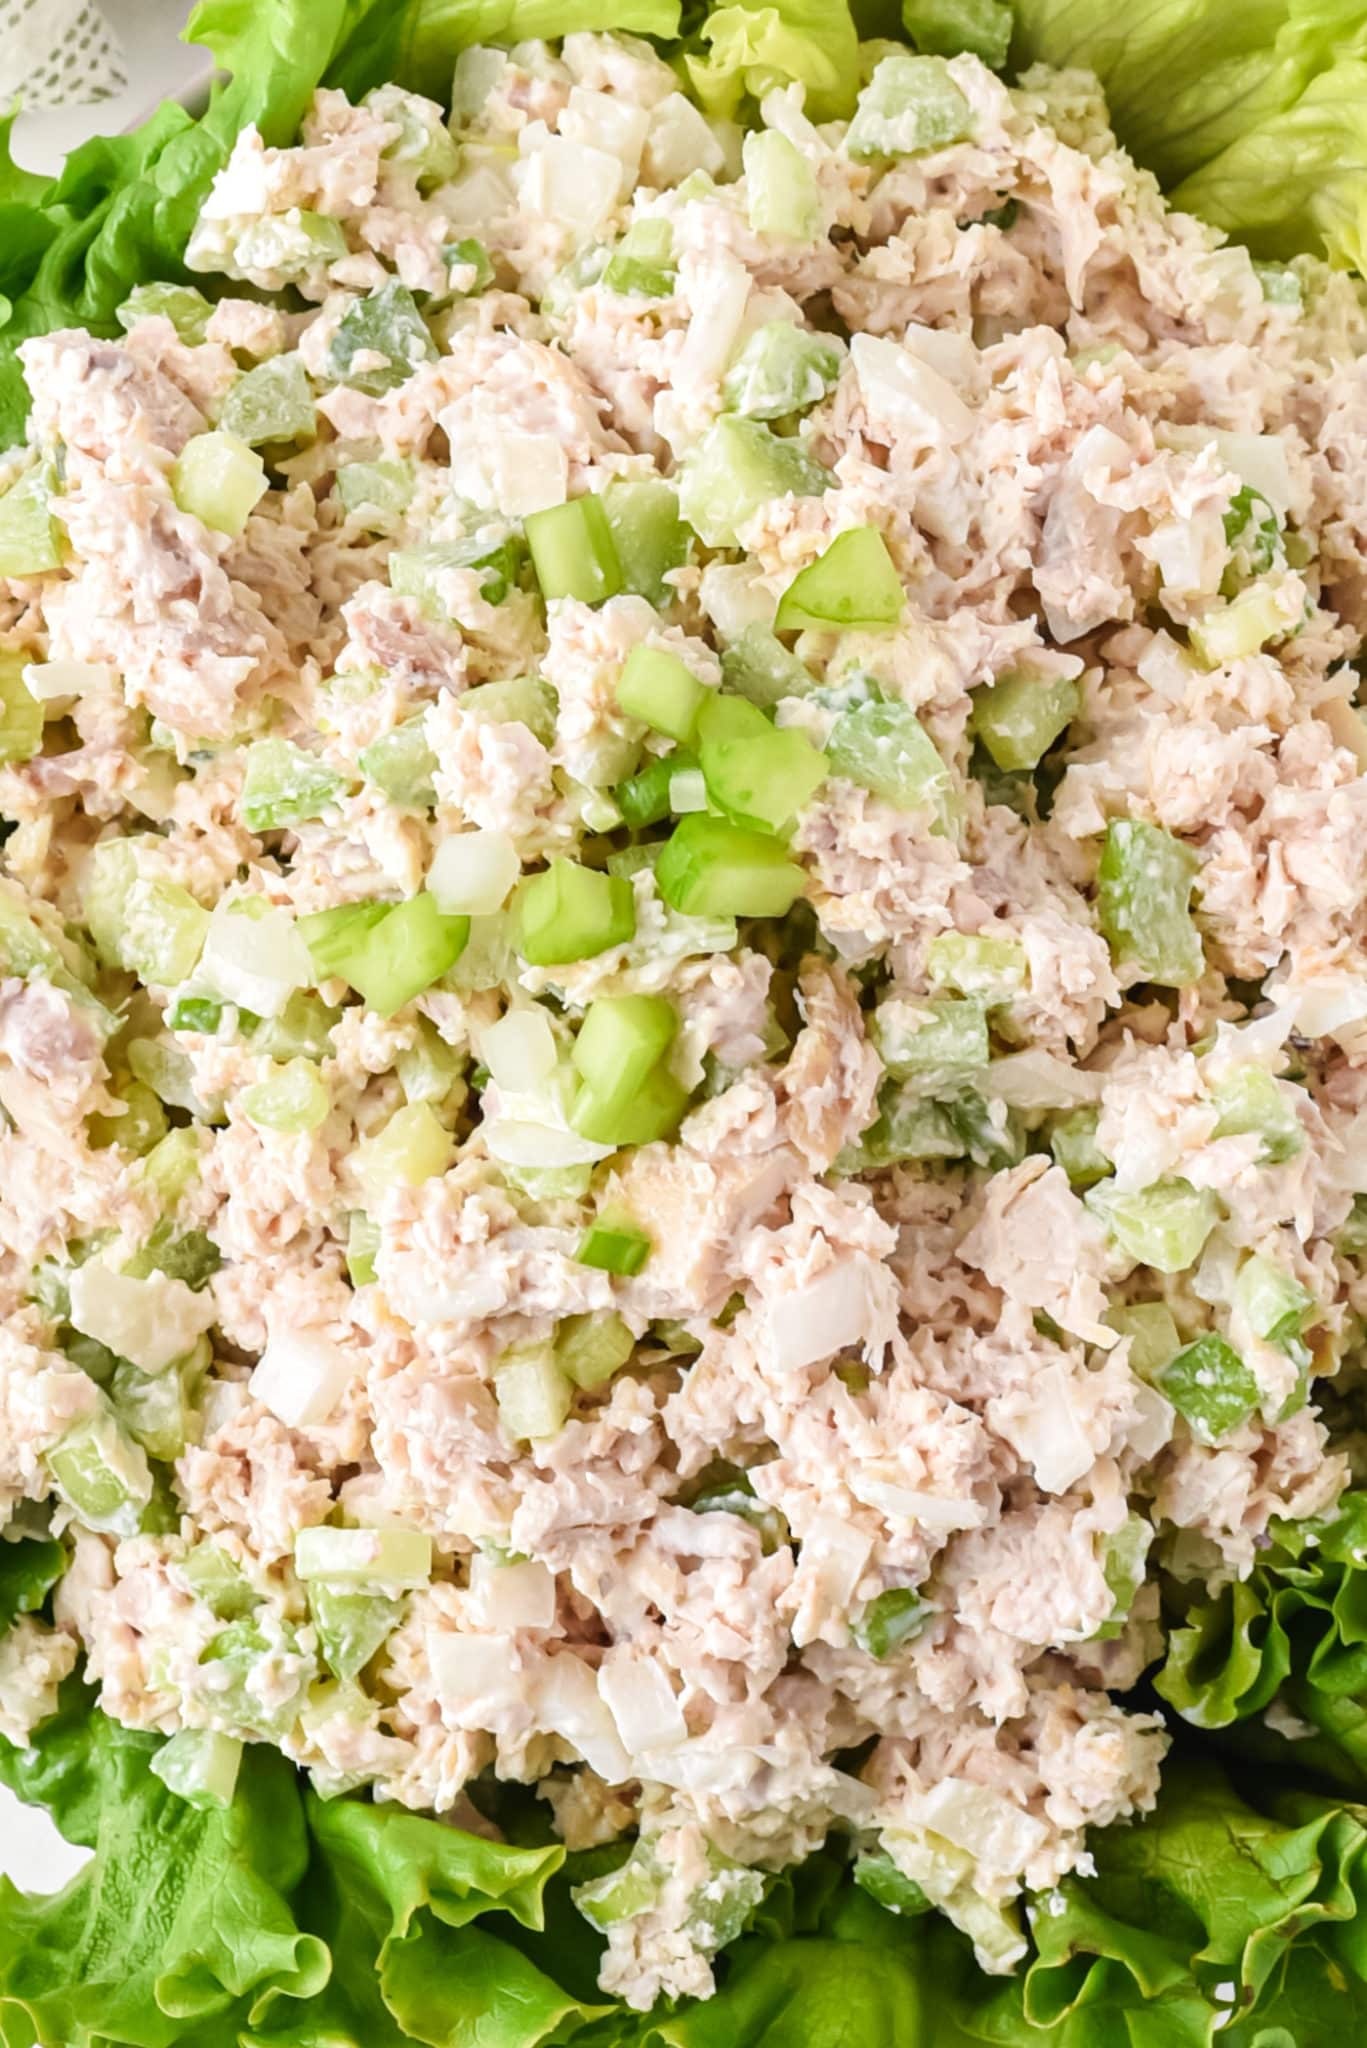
160 67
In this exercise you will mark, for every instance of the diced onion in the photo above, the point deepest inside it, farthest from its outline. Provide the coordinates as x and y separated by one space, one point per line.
150 1322
364 1557
482 1673
941 1513
567 1702
569 182
642 1701
1259 460
512 1596
1344 721
902 392
255 962
472 873
610 124
301 1376
1036 1080
519 1050
816 1321
679 141
48 679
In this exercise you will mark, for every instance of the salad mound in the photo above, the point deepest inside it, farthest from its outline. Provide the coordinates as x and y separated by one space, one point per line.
682 1016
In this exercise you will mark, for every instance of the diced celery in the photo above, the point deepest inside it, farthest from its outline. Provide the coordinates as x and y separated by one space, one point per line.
142 1125
153 928
781 370
1073 1142
642 264
944 1039
188 1255
852 585
273 402
1124 1553
351 1625
1019 717
218 480
291 244
469 265
387 324
283 785
167 1073
419 572
944 28
1164 1226
712 868
382 487
1272 1302
1241 627
655 1111
756 665
892 1619
233 1657
737 1497
781 192
621 1040
645 798
569 912
975 964
888 1886
592 1348
534 1396
302 1030
573 552
521 700
1209 1384
388 953
157 1410
759 774
909 1126
362 1243
737 468
1249 1100
172 1166
402 764
614 1246
661 690
26 947
196 1013
21 714
1279 283
187 309
389 1557
621 1894
213 1578
424 144
411 1148
294 1099
200 1766
1144 885
430 1069
1253 534
30 538
885 748
649 537
911 104
102 1475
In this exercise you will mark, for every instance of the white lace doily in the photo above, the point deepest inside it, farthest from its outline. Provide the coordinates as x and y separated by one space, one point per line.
58 53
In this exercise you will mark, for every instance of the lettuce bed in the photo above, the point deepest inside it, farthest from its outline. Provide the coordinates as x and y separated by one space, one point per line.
1237 1913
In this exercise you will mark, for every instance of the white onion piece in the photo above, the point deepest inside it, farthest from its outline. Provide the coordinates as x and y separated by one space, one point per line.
1036 1080
48 679
519 1050
641 1701
816 1321
150 1322
302 1375
903 393
476 1677
567 1702
512 1596
255 962
472 873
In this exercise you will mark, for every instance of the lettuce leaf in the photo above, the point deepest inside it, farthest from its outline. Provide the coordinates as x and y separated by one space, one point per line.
754 47
28 1572
1253 116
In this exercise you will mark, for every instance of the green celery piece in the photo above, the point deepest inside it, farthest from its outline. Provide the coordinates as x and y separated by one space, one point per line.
292 243
877 1874
573 552
1209 1384
621 1042
713 868
429 1070
1073 1142
387 324
945 28
613 1245
142 1125
1144 885
383 488
661 690
416 572
976 964
409 948
401 764
284 785
890 1620
1019 717
885 748
520 700
351 1625
644 798
655 1110
632 1888
854 585
591 1348
1253 534
760 775
273 402
363 1242
1279 283
1154 1337
570 912
782 195
738 1498
737 468
293 1098
941 1040
910 105
21 714
783 369
1273 1303
195 1013
642 264
187 309
218 480
213 1578
1250 1100
30 538
424 144
909 1126
757 666
1164 1226
468 256
188 1255
158 1410
302 1030
1124 1554
649 537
